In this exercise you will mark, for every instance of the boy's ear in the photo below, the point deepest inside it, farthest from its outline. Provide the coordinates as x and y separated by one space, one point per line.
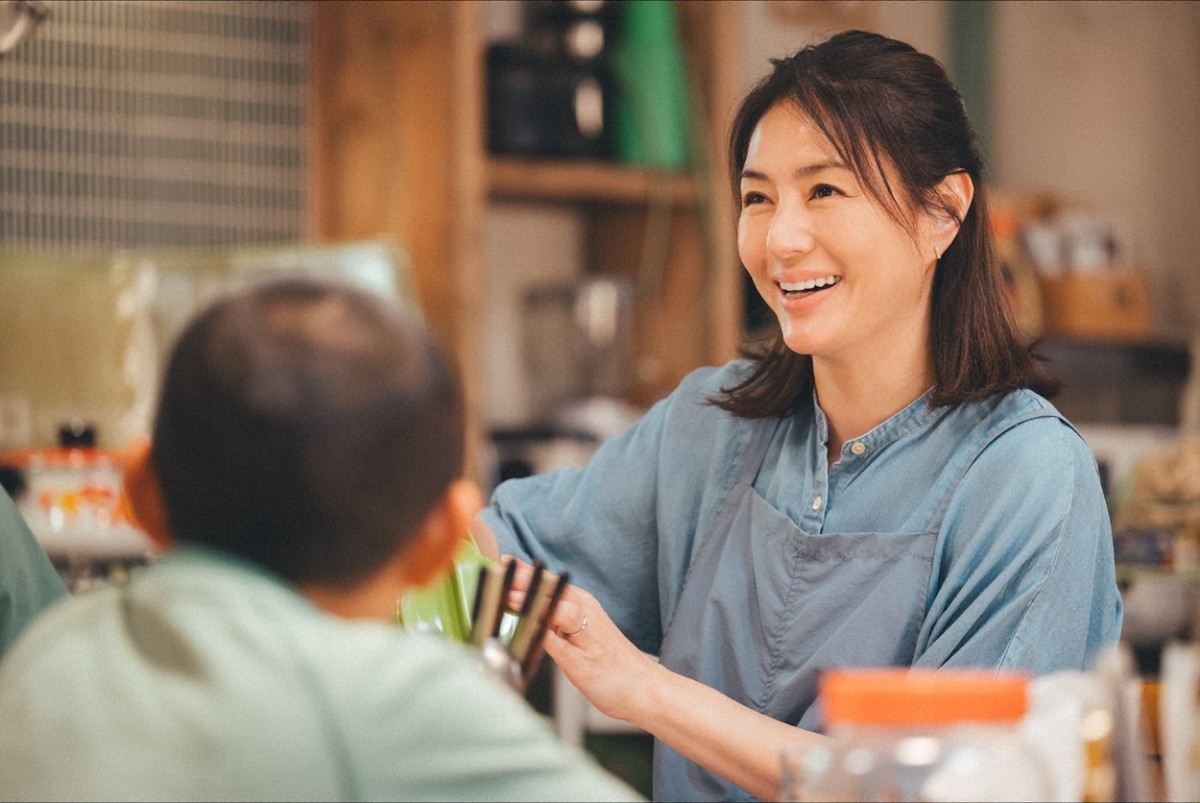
431 553
143 497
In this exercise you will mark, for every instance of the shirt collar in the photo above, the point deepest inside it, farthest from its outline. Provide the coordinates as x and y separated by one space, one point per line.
916 415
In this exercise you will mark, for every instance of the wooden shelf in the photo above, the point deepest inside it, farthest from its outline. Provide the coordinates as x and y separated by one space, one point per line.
386 74
565 181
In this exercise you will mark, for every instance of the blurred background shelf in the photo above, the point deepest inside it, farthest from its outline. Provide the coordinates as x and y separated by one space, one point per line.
1126 382
565 181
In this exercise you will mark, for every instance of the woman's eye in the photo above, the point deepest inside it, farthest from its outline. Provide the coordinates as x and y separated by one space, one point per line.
824 191
751 198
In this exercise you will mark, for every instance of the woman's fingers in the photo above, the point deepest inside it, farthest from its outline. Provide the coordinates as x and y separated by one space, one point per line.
522 576
568 616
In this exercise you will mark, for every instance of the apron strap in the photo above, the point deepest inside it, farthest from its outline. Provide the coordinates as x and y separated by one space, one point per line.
701 571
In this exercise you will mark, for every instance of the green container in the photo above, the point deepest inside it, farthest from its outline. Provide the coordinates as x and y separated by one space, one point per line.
445 605
651 108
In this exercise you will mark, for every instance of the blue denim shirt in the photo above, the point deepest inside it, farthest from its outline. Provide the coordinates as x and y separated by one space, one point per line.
1000 501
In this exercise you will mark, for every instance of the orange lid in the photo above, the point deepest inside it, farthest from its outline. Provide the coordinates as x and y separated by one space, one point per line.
902 696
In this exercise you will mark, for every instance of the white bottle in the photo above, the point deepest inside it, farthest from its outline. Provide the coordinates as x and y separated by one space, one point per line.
900 734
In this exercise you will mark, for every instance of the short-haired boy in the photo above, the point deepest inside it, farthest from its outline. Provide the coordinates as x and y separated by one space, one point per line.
305 467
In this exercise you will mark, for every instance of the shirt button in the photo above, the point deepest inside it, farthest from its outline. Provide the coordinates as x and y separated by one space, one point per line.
817 503
858 447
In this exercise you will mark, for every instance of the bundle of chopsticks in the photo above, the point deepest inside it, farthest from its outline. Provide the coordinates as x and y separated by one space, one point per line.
520 632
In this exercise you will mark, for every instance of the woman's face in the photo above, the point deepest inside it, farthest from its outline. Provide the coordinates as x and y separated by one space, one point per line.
848 283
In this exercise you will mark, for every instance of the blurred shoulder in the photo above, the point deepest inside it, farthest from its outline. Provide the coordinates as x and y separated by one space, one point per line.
699 387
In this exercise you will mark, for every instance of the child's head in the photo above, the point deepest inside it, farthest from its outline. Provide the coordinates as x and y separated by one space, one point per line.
308 427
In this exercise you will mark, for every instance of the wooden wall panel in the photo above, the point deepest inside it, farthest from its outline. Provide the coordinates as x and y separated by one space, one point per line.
396 149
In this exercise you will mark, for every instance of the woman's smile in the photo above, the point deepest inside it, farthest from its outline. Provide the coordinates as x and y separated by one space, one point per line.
808 285
802 296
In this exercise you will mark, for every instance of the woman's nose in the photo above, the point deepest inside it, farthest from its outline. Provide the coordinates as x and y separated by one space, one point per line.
790 233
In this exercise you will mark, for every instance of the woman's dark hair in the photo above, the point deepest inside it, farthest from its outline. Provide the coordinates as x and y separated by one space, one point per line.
308 427
883 104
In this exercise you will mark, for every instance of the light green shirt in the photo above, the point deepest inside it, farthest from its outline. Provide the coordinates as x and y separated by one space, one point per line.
28 581
206 678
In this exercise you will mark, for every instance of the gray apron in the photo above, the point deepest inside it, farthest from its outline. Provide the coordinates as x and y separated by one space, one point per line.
765 607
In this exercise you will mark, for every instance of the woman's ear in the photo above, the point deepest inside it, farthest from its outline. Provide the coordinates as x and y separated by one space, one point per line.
956 190
143 497
959 190
431 552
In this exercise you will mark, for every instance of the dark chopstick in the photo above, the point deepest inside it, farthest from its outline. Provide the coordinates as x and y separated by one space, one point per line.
509 573
533 654
477 606
487 604
491 605
525 626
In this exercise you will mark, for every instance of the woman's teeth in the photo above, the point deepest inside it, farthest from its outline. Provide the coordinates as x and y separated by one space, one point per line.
809 285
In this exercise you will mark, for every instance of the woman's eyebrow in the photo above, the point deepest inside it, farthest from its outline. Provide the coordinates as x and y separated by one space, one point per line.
800 172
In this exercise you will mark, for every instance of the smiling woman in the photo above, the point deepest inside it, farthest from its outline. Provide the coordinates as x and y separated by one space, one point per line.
849 283
884 484
905 178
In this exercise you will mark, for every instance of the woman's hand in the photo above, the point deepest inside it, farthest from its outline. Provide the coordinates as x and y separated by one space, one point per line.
621 681
591 651
598 659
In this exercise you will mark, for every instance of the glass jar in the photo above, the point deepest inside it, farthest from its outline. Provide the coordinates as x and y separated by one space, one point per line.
900 734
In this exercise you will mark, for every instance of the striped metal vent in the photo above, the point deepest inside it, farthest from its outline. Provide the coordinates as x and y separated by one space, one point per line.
156 124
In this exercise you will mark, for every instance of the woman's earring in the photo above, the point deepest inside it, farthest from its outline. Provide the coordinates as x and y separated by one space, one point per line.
937 255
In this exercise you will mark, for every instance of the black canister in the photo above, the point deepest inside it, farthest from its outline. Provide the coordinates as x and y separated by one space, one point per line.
548 92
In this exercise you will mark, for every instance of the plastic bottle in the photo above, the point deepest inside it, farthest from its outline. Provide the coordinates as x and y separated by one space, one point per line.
899 734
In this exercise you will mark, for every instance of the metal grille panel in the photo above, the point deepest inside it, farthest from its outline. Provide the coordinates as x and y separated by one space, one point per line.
143 123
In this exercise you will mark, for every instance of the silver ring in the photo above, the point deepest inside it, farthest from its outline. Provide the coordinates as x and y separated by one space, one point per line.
582 628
